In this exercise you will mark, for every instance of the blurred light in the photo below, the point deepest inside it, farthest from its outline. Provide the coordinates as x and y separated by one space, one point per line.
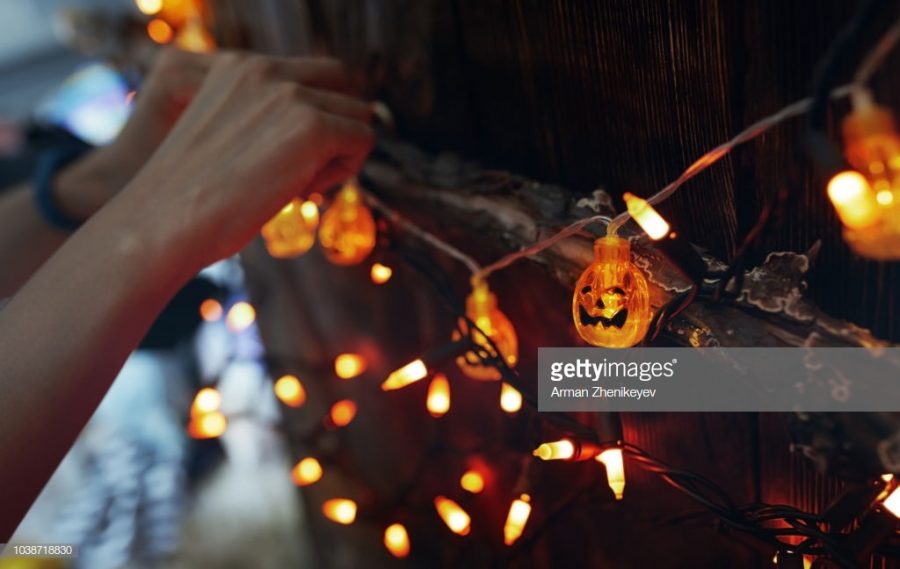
211 310
438 399
852 198
510 398
206 400
343 412
615 470
472 481
207 426
887 477
289 391
453 515
340 510
410 373
306 472
149 7
645 216
159 31
348 366
241 316
519 511
559 450
381 273
397 540
892 502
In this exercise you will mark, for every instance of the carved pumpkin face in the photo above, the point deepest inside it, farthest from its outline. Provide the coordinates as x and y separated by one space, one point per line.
481 308
347 233
611 305
292 232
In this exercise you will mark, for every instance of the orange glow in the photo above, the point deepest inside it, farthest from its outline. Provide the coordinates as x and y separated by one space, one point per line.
472 481
510 398
381 273
241 316
194 37
645 216
340 510
149 7
453 515
892 502
410 373
348 366
438 399
347 233
207 426
563 449
615 470
292 231
396 540
481 308
159 31
306 472
519 511
343 412
211 310
206 400
289 391
851 195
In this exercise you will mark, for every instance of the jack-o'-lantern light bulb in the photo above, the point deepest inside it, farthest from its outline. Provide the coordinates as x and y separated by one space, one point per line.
292 232
867 199
347 232
481 308
611 304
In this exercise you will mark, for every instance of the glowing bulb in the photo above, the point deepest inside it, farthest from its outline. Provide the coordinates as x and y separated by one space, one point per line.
347 233
481 308
211 310
343 412
241 316
611 304
159 31
208 425
194 37
307 471
149 7
558 450
892 502
206 400
438 398
472 481
289 391
453 515
396 540
851 196
519 511
510 398
292 232
340 510
887 477
615 470
381 273
643 213
410 373
348 366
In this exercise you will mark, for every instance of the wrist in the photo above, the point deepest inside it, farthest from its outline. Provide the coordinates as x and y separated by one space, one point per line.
85 186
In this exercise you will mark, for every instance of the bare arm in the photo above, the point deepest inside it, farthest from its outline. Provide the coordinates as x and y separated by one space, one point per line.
252 139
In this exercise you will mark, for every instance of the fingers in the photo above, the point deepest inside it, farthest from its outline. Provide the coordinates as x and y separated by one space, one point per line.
338 104
348 143
318 72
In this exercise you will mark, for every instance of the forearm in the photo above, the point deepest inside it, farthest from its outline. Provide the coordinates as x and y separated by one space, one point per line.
67 332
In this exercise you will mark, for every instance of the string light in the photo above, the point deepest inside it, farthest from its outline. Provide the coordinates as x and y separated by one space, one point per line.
160 31
292 231
412 372
380 274
208 425
347 232
241 316
194 37
567 449
892 502
453 515
438 399
612 459
206 400
510 398
289 390
643 213
307 471
149 7
611 304
481 308
348 366
519 512
340 510
396 540
343 412
472 481
211 310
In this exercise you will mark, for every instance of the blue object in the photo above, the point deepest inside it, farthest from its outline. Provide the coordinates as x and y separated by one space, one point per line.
48 165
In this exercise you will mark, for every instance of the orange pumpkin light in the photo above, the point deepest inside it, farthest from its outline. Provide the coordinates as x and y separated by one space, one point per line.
292 232
347 232
481 308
